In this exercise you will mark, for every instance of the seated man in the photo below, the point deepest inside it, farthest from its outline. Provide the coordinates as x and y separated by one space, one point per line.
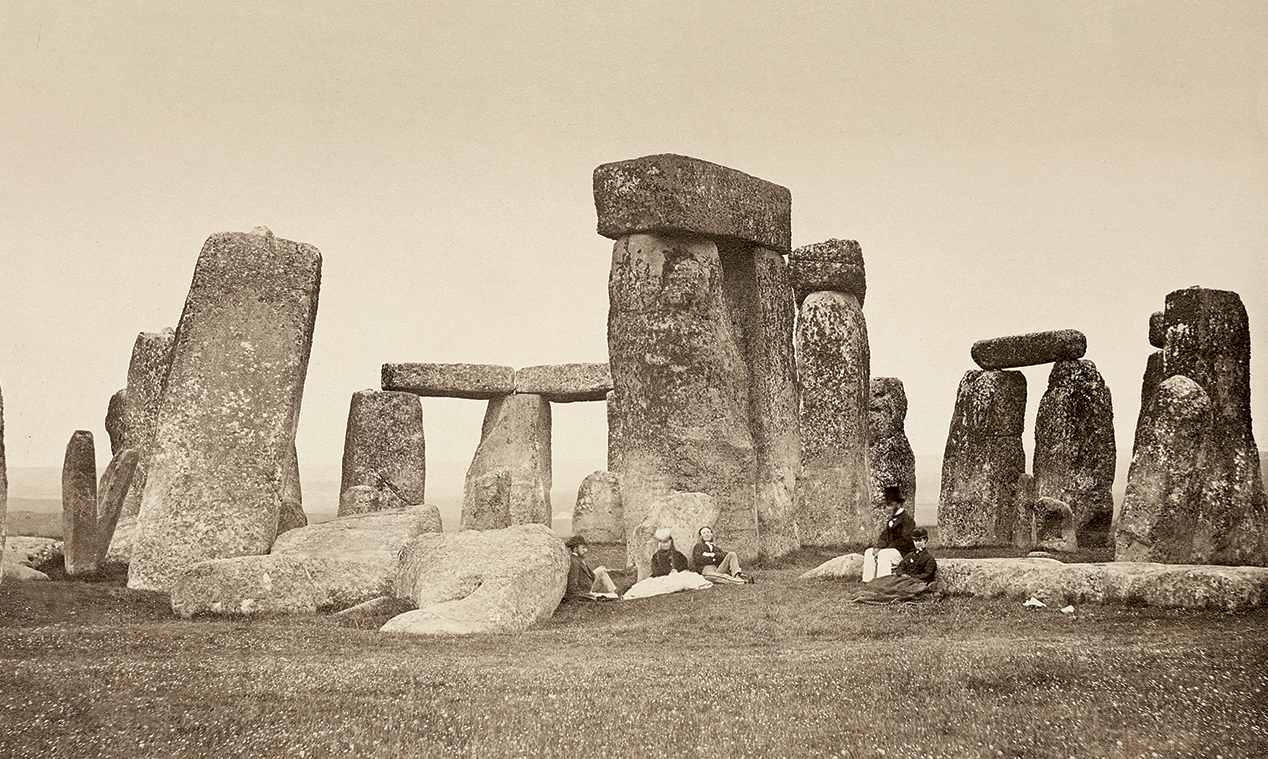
916 574
894 541
717 565
667 558
668 571
585 584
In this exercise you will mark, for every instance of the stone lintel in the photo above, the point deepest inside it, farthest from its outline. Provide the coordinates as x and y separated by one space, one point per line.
565 383
1029 349
473 381
829 265
670 193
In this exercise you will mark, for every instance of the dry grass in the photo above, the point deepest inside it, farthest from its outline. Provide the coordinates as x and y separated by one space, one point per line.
778 669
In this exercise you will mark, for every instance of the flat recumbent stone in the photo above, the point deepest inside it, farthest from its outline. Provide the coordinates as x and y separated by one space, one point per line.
670 193
1029 350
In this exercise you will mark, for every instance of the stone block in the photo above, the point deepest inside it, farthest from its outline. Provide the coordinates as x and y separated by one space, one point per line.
384 449
565 383
472 381
835 265
598 516
1029 350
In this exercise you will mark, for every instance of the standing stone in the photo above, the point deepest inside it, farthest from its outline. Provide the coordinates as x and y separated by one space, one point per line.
892 460
508 482
1164 518
1075 455
834 492
147 373
1024 530
384 449
111 492
983 460
684 514
598 515
79 504
224 445
116 424
1148 386
681 383
4 485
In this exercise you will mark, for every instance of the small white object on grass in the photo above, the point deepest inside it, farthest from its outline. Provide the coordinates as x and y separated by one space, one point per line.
1068 610
1035 602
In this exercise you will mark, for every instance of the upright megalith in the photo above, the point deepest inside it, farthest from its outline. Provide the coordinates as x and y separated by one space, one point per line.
598 515
700 312
892 460
223 458
983 460
79 504
1205 336
112 490
508 482
139 402
1075 454
1029 350
834 490
384 451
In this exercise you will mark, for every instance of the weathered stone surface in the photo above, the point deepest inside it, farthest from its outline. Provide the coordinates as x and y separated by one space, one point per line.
147 374
223 447
834 264
1024 530
1208 340
565 383
672 194
1163 517
111 492
684 514
291 509
983 460
681 382
493 581
834 502
1148 386
79 504
377 607
332 565
893 462
116 423
384 449
1029 350
472 381
847 567
1058 584
4 487
1158 329
597 515
1075 454
22 556
514 439
1053 525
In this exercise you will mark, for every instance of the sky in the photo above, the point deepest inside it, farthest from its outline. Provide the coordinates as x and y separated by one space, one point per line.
1007 167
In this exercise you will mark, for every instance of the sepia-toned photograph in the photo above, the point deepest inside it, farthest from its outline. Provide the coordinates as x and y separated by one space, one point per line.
745 380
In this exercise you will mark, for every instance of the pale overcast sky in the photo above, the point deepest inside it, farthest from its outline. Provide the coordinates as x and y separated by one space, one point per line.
1007 167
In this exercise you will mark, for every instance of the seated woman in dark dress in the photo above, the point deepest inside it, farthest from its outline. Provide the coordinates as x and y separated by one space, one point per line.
914 575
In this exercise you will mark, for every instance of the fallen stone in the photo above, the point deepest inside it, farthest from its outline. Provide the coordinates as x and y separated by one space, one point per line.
515 439
471 381
79 504
14 572
597 515
377 607
384 450
565 383
495 581
673 194
1031 349
847 567
32 552
834 265
251 585
223 467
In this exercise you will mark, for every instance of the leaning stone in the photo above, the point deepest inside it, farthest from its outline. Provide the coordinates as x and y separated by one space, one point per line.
597 515
847 567
1058 584
472 381
1029 350
673 194
496 581
983 460
892 460
115 421
223 462
834 489
683 514
515 439
111 491
1075 454
565 383
1158 329
79 504
384 449
834 264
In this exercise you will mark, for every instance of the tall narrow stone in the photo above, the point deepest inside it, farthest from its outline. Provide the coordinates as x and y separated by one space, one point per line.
79 504
833 364
147 373
111 492
1075 454
384 449
983 460
508 482
223 445
892 460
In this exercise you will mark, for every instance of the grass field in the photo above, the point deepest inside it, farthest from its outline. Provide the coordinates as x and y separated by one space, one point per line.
778 669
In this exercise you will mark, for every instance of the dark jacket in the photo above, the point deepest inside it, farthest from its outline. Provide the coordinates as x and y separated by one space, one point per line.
897 533
580 578
702 556
920 565
664 561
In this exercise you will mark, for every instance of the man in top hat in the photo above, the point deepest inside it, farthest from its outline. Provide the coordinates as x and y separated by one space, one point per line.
585 584
894 541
